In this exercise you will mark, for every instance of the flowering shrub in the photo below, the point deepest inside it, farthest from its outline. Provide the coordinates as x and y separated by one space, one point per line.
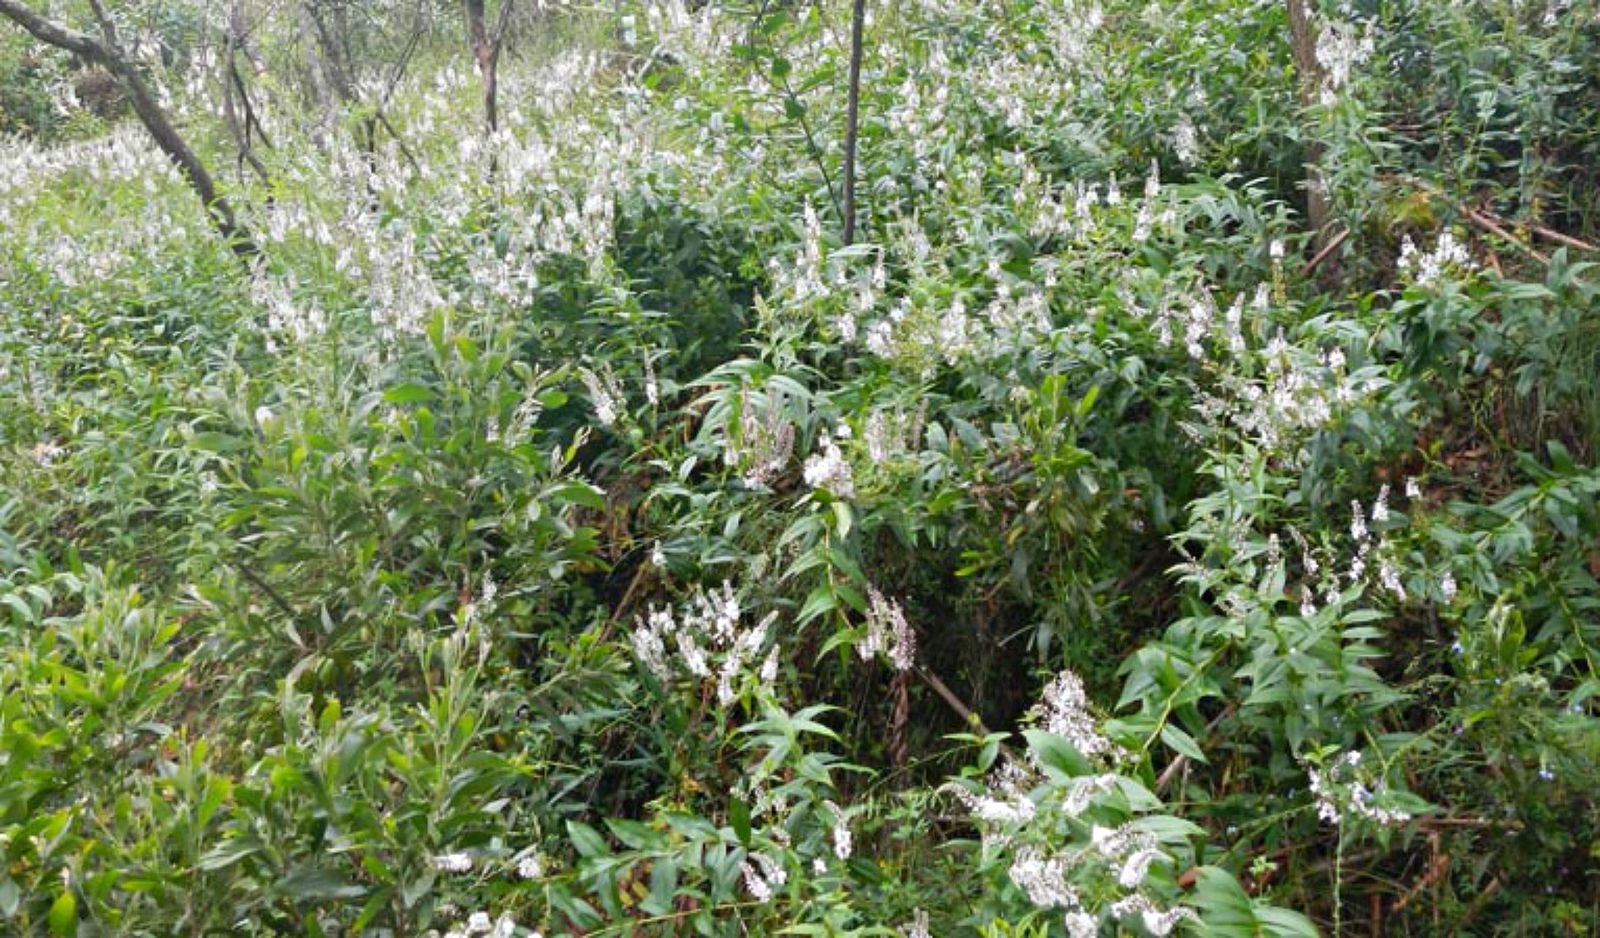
1173 512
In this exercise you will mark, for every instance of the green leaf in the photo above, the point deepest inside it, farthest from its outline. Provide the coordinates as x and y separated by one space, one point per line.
663 887
22 609
63 916
579 493
311 883
216 792
1181 742
230 852
739 818
634 834
586 840
819 602
1087 404
410 394
1285 922
213 442
1224 906
1056 753
841 511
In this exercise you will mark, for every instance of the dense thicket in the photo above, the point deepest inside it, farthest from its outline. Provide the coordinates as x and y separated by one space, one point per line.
1170 509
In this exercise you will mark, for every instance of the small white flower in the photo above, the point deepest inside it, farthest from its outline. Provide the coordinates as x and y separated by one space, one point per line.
530 867
45 453
453 863
1358 523
604 395
759 890
1044 879
828 470
1136 866
1389 576
1064 711
842 841
1081 924
478 923
1186 141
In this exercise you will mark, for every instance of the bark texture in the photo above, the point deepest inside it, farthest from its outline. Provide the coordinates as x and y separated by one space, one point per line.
1308 74
853 120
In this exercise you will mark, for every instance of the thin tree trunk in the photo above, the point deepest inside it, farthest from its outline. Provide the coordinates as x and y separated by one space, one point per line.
317 70
486 47
1308 73
853 121
109 54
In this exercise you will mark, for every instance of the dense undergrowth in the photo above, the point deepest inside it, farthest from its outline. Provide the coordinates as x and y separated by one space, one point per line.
562 530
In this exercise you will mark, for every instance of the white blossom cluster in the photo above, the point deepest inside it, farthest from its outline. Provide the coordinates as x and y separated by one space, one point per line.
403 294
763 876
1024 811
918 926
888 633
520 427
1186 141
287 316
78 248
605 394
888 434
1327 572
481 923
1426 267
1064 711
827 469
763 441
1006 798
1341 48
1340 793
772 816
843 840
710 643
1276 396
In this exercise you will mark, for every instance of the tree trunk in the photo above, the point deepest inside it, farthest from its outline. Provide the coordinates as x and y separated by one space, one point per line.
1308 74
154 119
853 121
317 72
486 53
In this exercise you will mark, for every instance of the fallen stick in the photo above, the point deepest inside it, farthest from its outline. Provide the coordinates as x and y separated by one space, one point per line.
1487 224
1326 251
966 713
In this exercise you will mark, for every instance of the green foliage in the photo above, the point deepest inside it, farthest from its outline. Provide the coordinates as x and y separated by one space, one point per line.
562 531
